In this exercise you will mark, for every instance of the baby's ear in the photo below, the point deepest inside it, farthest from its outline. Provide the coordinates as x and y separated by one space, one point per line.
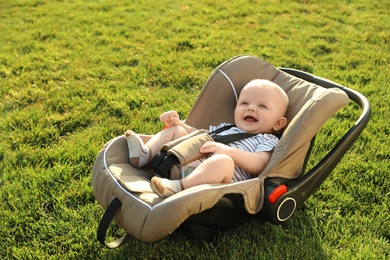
280 123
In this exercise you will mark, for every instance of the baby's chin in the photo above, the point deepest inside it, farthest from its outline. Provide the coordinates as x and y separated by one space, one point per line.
247 129
253 128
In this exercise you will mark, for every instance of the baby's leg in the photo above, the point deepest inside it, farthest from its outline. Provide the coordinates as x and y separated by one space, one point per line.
140 154
219 168
163 137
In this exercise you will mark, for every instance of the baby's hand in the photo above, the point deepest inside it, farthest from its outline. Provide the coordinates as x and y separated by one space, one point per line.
214 147
170 118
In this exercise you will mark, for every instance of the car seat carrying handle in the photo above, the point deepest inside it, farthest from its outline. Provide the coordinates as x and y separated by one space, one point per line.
186 149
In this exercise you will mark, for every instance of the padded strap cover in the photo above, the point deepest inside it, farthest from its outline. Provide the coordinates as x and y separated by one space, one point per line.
175 142
188 150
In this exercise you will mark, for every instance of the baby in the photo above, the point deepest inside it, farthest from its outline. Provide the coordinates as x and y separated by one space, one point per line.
260 110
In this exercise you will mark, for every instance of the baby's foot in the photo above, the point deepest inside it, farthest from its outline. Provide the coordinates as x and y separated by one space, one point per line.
165 188
139 153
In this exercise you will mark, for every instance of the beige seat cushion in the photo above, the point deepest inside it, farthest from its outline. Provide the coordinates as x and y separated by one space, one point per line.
309 108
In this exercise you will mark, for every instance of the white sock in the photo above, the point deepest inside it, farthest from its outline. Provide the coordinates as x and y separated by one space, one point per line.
139 153
164 187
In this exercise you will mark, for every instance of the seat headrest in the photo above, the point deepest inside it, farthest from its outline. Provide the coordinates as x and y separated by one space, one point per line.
309 108
289 155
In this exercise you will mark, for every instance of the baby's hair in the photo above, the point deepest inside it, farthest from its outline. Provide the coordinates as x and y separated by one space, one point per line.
269 84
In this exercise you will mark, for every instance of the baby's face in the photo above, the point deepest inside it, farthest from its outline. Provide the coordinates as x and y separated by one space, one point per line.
259 110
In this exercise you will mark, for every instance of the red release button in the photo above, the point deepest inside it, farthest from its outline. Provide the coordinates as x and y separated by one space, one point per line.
276 193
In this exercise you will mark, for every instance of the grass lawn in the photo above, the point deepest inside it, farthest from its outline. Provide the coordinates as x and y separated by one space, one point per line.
76 73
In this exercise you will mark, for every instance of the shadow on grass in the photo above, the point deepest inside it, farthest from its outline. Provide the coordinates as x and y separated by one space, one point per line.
297 238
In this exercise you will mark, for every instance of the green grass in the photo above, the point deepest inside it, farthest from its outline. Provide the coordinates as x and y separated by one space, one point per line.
74 74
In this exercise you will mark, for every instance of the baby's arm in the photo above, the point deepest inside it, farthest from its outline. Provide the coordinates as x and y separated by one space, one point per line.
172 118
253 163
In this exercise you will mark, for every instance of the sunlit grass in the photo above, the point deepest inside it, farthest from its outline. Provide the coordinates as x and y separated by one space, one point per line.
74 74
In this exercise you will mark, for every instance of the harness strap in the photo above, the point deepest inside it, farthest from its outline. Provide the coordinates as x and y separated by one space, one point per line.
104 224
163 161
227 139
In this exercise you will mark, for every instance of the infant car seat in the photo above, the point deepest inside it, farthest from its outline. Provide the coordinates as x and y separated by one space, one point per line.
125 194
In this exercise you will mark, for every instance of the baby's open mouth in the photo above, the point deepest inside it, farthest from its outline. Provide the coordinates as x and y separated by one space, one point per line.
250 119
